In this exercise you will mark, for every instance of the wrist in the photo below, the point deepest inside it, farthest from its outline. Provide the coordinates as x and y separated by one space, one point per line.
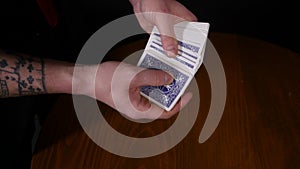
92 80
58 77
83 79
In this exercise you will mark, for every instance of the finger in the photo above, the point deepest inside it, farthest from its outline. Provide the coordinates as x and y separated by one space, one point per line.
170 45
165 24
182 103
155 112
150 77
139 102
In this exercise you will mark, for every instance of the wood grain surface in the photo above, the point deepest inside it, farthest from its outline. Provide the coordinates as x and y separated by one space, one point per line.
260 127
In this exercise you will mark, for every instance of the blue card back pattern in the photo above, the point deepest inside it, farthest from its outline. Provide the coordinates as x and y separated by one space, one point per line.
167 94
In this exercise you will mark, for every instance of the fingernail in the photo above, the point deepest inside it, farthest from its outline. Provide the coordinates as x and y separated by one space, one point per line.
168 79
171 52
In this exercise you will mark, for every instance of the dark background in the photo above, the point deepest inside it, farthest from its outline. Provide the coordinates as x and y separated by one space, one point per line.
23 27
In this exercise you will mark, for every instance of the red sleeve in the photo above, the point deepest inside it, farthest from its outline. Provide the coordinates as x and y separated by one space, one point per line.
49 11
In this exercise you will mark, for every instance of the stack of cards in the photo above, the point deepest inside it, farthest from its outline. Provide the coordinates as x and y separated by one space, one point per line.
191 38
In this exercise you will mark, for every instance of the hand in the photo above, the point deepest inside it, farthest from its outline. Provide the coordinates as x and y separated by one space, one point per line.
118 85
148 15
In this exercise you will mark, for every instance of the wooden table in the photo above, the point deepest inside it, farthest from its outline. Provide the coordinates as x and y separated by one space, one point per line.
260 127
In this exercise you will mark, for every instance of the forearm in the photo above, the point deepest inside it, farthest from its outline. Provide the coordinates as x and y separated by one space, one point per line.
26 75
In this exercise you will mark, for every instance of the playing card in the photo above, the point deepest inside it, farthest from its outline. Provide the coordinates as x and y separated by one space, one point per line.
165 96
191 38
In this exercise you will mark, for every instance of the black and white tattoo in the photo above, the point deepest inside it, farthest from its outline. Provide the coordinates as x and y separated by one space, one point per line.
3 89
22 74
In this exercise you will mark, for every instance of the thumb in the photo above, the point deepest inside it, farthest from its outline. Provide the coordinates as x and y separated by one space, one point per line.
165 24
150 77
170 45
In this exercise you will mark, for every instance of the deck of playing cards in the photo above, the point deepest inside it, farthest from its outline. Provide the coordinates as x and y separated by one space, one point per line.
191 38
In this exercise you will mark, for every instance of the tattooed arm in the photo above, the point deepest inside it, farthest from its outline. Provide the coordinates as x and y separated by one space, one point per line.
26 75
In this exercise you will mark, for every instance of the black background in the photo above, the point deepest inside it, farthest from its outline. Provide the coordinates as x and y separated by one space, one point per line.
23 27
